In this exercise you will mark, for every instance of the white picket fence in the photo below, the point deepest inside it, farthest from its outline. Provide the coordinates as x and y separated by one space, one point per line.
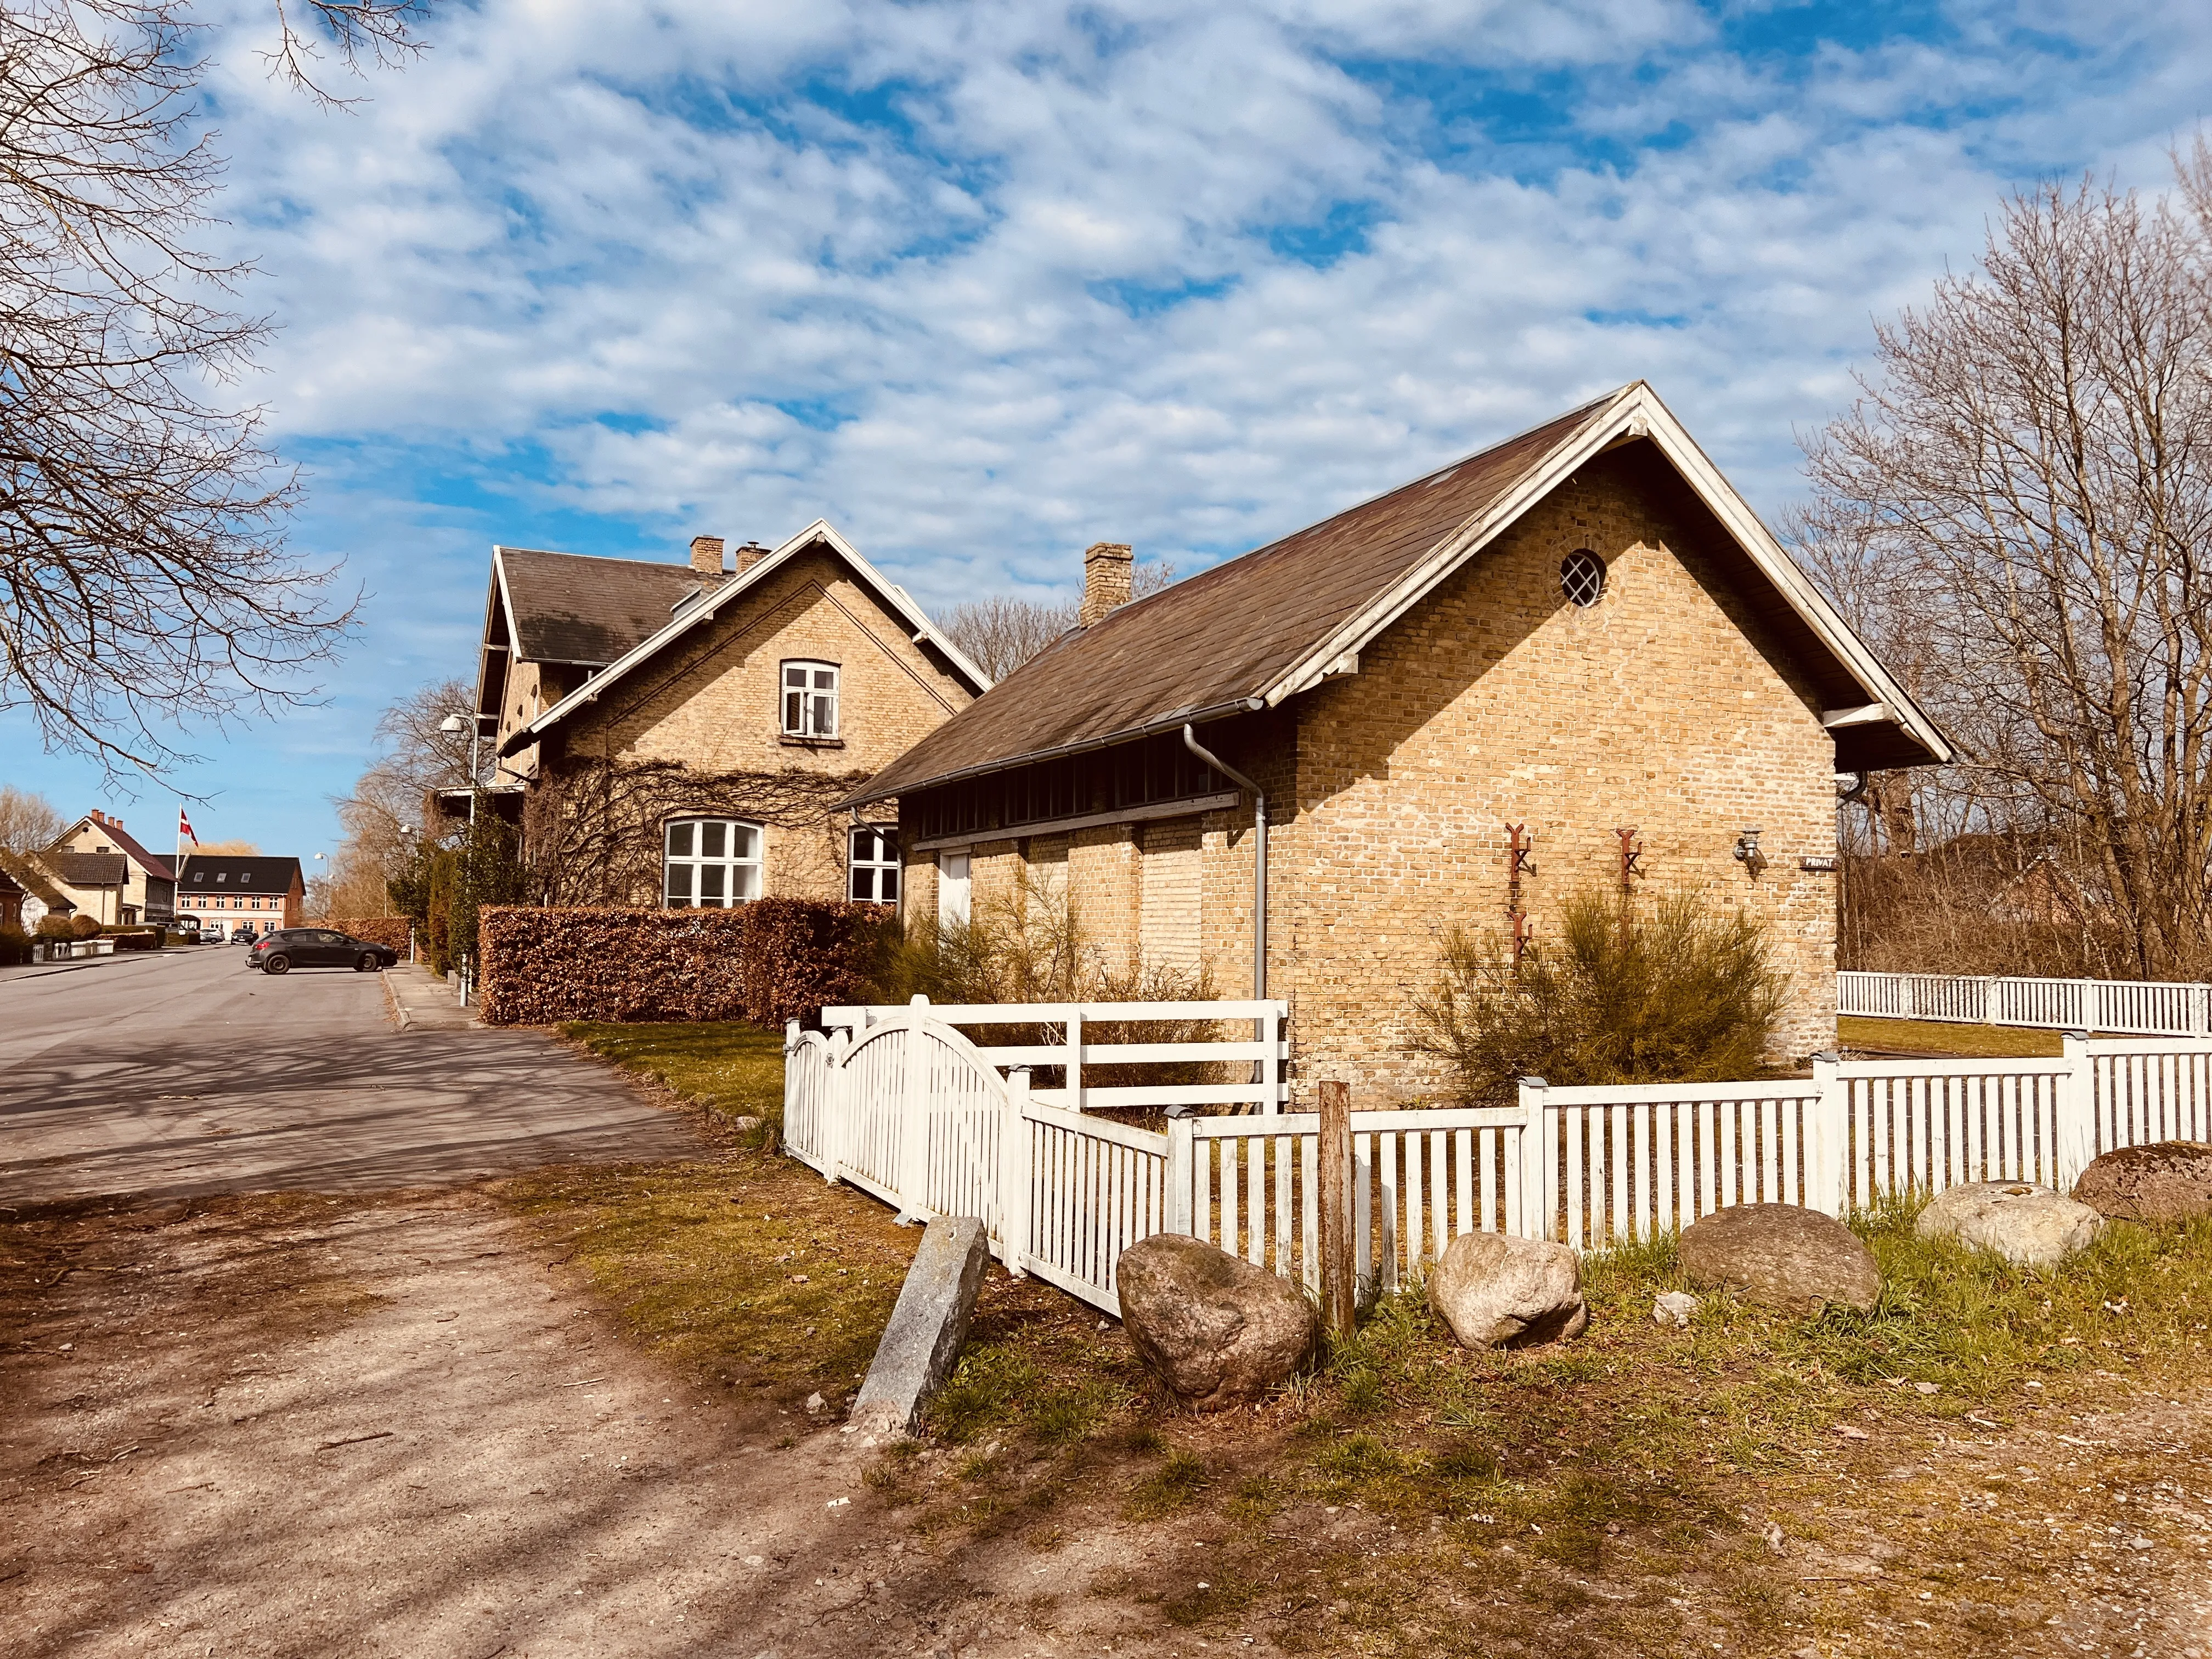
905 1107
2122 1006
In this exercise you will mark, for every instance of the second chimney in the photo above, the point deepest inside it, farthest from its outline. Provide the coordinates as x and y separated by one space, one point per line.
749 556
707 558
1106 576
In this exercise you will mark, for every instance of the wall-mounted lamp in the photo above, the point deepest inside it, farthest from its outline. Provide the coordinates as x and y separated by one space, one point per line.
1746 849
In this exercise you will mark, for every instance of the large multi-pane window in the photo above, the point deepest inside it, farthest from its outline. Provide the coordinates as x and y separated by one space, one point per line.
810 699
874 865
711 863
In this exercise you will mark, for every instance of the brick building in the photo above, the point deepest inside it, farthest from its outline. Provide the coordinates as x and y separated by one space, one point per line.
142 887
682 734
1582 630
227 894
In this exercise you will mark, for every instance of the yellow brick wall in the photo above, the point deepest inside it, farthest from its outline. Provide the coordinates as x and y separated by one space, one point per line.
1495 701
1666 707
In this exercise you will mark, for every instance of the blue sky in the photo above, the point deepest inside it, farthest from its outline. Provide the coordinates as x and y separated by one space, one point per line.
984 283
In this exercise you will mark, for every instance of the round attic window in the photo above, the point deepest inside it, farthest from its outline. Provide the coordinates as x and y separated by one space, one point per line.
1581 577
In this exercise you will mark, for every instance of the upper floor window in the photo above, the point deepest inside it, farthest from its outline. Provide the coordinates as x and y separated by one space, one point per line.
874 865
711 862
810 699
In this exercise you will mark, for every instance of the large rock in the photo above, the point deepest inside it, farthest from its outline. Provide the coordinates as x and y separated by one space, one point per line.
2032 1226
2170 1180
1786 1257
1498 1292
1214 1329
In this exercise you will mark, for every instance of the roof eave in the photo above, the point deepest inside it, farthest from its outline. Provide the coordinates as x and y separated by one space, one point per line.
1636 411
869 792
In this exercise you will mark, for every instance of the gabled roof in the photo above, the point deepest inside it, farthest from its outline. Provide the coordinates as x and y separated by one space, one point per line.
159 868
819 534
229 872
1270 623
580 609
35 881
87 869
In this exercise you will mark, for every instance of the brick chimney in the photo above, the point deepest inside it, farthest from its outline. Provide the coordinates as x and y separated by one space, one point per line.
707 559
749 556
1106 577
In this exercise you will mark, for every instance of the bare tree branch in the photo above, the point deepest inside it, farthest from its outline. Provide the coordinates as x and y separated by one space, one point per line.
143 576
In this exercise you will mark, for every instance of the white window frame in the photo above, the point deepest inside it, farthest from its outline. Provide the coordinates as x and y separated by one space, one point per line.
735 870
952 887
807 698
872 850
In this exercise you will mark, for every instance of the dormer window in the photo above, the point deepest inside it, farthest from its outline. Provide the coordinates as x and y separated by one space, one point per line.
810 699
222 876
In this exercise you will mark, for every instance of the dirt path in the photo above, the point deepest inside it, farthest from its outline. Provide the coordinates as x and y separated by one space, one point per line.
323 1426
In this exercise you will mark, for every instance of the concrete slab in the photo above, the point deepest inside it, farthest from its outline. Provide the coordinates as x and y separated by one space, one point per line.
921 1344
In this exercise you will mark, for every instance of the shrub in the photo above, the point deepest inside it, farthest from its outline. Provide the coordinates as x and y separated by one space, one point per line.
84 927
135 938
377 929
765 961
1673 994
1031 943
14 947
51 927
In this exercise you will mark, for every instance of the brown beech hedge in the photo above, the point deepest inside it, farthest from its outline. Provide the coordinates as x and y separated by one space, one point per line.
375 930
767 962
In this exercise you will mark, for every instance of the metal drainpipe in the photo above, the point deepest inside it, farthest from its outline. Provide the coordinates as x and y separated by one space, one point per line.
1258 858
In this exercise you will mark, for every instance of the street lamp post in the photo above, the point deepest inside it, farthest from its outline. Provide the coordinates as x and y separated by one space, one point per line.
457 723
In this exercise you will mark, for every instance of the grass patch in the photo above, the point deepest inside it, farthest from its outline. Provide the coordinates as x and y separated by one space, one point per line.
1927 1036
748 1271
735 1068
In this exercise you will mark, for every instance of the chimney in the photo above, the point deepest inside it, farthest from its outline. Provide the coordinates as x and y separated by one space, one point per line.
1105 581
707 559
749 556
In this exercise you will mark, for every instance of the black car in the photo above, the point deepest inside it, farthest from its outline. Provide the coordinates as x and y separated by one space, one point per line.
319 947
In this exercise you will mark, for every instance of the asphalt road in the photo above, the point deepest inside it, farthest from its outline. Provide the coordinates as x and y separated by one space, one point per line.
186 1072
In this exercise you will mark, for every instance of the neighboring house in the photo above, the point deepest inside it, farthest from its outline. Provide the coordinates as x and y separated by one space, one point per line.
27 895
94 883
149 883
680 735
229 894
1582 631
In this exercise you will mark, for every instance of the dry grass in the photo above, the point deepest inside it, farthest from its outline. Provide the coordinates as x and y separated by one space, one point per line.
1927 1036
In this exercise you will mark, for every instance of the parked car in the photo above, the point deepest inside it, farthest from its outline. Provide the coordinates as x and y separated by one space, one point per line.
319 947
243 936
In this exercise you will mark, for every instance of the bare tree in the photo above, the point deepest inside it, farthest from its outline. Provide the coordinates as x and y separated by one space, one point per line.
143 576
235 848
28 823
417 755
2019 505
1001 632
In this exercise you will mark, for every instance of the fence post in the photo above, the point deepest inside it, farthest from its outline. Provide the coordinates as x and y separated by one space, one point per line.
836 1136
1337 1292
1536 1133
2074 1114
1075 1058
1015 1192
1270 1068
1181 1140
1826 1134
2089 1008
913 1123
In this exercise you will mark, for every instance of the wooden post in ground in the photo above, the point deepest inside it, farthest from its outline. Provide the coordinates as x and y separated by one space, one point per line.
1337 1288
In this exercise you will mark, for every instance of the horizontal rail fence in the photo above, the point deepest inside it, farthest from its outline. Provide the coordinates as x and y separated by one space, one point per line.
2119 1006
908 1109
1262 1058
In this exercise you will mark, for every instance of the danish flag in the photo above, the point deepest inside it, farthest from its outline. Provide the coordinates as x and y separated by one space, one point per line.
185 827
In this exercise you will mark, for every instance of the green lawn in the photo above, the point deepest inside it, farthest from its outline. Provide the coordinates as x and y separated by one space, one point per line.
736 1069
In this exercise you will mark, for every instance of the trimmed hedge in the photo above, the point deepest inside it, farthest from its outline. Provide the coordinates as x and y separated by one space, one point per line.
767 962
136 938
374 930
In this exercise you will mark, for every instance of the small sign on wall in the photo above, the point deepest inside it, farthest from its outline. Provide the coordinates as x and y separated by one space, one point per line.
1819 866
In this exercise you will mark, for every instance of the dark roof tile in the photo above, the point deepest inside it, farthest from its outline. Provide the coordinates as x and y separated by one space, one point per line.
209 872
577 608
